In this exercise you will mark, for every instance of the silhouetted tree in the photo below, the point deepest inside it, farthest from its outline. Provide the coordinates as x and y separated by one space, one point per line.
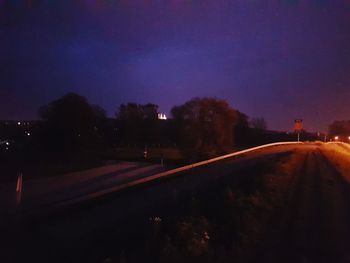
205 125
138 123
339 128
242 131
258 124
71 122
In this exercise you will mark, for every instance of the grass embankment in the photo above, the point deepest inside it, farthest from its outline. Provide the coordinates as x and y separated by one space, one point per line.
221 222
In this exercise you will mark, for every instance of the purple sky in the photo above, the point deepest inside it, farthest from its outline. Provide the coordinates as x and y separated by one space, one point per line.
280 59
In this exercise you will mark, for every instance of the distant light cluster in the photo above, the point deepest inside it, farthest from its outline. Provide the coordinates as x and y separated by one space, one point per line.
162 116
4 142
5 145
341 138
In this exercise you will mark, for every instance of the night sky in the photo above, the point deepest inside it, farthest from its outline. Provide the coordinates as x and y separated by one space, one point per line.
280 59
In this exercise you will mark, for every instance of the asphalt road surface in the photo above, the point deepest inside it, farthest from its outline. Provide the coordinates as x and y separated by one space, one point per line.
50 191
313 224
309 221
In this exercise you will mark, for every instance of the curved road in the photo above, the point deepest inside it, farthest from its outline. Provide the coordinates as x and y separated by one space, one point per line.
309 221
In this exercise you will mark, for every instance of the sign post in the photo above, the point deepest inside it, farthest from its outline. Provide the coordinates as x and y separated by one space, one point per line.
145 152
19 187
298 127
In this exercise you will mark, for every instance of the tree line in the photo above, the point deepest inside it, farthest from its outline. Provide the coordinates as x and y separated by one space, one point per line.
200 125
340 130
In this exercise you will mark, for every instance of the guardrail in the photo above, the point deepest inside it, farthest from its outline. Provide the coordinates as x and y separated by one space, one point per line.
168 173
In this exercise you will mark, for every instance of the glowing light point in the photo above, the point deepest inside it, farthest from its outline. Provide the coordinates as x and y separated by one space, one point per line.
162 116
336 137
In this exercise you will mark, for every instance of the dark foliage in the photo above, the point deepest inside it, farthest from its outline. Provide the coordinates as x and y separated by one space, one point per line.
138 124
71 123
340 129
205 125
258 124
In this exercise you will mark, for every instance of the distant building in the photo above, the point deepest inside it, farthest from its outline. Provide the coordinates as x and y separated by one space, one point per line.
162 116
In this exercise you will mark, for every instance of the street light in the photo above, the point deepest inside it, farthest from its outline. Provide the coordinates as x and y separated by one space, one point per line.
336 138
